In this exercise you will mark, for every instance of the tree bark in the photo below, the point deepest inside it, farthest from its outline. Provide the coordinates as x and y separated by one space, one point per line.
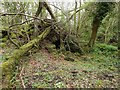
95 26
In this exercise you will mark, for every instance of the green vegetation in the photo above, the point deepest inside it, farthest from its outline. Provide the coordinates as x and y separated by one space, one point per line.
47 70
53 46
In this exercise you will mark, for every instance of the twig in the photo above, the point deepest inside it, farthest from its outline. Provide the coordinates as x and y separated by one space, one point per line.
20 23
58 9
81 8
15 15
23 84
12 40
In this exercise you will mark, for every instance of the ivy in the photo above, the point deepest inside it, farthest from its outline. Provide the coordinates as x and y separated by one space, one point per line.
102 9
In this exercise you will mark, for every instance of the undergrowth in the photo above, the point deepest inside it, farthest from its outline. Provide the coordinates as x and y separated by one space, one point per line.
98 68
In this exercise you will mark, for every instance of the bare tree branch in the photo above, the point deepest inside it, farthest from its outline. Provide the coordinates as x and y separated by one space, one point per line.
21 23
12 40
5 14
58 8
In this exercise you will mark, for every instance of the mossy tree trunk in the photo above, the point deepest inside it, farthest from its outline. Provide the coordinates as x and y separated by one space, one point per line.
102 10
9 66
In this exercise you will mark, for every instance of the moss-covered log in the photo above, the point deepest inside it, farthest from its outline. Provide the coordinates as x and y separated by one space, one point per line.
9 66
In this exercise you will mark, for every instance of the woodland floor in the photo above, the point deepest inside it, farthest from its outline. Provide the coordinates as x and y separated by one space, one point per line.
50 70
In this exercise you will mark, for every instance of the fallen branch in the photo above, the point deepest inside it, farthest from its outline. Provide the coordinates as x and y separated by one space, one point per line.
23 84
9 66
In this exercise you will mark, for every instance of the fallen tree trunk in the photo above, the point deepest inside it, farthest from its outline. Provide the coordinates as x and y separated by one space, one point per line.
9 66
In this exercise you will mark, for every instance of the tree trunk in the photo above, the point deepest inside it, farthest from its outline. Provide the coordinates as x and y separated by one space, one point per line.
9 66
95 27
78 23
49 10
39 9
102 9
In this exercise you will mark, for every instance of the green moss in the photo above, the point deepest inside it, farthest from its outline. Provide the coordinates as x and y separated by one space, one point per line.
4 39
2 45
8 71
13 35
